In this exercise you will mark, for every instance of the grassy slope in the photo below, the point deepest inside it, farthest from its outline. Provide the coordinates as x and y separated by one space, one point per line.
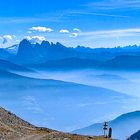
12 127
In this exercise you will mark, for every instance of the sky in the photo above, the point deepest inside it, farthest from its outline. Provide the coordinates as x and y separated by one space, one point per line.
89 23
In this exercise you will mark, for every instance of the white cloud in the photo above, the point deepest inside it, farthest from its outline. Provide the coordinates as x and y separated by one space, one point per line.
10 37
64 31
93 13
76 30
74 35
114 4
29 32
7 38
41 29
112 33
35 39
31 104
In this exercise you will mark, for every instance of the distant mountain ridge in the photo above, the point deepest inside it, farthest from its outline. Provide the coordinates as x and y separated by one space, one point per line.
123 62
68 63
57 54
123 126
9 66
13 49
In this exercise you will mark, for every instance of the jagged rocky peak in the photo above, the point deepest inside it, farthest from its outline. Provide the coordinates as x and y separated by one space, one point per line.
25 42
45 44
24 45
59 45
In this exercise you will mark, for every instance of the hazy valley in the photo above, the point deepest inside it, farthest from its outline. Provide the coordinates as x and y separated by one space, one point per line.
68 88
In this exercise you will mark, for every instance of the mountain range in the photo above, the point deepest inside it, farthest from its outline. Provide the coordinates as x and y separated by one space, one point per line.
50 55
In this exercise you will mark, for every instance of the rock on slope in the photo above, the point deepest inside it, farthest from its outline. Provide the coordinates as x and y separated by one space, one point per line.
14 128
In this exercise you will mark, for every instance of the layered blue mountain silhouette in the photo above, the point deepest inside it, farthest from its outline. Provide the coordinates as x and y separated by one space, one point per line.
123 62
62 100
4 54
68 63
50 55
9 66
7 75
123 126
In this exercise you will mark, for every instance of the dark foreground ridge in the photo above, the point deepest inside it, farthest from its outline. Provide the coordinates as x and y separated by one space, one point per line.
14 128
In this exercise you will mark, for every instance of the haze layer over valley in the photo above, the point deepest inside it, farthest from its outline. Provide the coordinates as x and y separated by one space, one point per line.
67 88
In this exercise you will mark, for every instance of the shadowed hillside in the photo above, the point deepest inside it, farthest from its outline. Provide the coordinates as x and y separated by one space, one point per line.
123 122
6 65
124 62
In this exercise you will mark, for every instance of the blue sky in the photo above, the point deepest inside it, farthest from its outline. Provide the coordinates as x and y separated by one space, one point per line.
91 23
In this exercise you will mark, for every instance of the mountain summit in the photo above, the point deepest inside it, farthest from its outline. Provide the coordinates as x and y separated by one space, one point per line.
39 53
